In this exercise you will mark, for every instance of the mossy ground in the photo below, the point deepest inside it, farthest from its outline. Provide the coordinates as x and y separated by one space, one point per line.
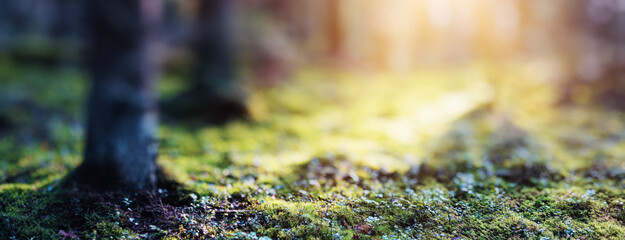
477 152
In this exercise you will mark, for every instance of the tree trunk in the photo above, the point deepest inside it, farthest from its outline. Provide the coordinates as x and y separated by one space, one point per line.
597 55
120 150
334 29
215 97
214 63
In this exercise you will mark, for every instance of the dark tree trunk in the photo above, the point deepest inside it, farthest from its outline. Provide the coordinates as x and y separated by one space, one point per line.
334 29
120 150
215 96
214 65
599 55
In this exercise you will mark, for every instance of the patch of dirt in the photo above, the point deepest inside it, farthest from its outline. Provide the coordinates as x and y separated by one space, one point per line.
418 174
333 170
601 171
527 174
169 211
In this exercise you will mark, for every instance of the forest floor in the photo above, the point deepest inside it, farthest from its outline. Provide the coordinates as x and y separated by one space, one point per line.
476 152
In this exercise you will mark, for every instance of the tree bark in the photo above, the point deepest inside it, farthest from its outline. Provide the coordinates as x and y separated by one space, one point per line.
120 151
334 29
215 97
597 55
214 60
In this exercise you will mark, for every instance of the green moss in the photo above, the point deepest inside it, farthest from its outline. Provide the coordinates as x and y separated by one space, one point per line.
424 155
28 213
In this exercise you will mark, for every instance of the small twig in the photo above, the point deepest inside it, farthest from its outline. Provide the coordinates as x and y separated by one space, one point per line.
231 211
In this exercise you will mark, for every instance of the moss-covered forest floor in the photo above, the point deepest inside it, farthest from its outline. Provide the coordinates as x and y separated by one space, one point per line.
476 152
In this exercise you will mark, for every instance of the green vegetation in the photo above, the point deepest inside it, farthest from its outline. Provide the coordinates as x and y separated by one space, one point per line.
470 153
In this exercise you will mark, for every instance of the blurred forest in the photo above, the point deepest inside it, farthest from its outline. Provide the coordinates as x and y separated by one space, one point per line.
321 119
580 38
579 42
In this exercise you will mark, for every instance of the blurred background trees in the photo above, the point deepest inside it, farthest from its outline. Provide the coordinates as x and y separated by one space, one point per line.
582 41
214 95
599 53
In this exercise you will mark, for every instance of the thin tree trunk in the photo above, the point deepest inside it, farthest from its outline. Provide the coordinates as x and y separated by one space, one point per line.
215 97
120 150
334 29
214 63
